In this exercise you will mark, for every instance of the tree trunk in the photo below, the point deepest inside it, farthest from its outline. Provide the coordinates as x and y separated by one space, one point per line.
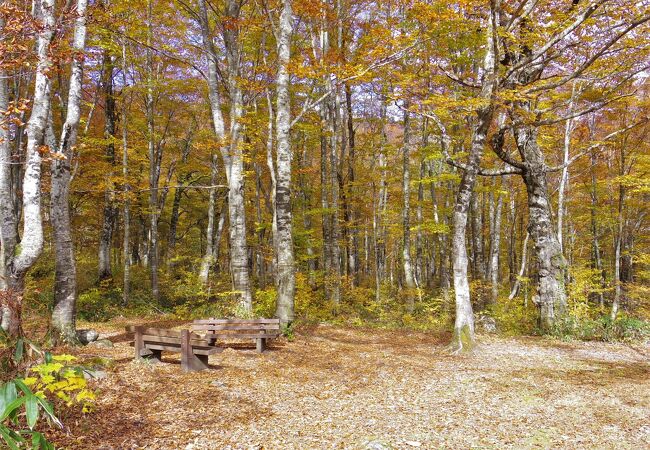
154 165
333 130
10 287
65 272
380 208
110 210
409 278
477 236
564 179
353 232
207 261
495 248
463 338
285 270
31 245
126 287
619 239
550 296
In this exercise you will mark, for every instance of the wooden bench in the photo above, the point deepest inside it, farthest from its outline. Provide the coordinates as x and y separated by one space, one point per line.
259 330
151 342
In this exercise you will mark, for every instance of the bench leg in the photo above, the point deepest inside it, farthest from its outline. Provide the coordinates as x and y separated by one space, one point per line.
138 343
261 345
189 361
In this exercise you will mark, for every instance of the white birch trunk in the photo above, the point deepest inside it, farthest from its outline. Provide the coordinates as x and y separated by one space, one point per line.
232 151
409 278
31 245
65 273
285 270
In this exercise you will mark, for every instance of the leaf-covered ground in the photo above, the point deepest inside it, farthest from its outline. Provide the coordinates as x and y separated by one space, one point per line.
354 389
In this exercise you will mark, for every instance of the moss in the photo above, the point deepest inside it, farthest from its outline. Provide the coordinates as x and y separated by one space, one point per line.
463 340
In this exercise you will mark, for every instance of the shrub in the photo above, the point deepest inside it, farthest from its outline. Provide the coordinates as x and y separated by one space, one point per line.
623 329
513 317
19 406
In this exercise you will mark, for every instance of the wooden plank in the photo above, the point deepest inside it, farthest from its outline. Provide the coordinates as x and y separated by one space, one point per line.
210 327
236 321
242 335
172 340
166 348
174 349
159 332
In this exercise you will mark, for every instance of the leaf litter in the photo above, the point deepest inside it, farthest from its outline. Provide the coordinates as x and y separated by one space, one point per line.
354 388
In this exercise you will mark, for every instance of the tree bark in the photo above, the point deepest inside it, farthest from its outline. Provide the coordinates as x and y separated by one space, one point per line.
155 158
285 270
550 296
495 248
409 277
110 210
31 245
464 338
231 150
207 261
65 272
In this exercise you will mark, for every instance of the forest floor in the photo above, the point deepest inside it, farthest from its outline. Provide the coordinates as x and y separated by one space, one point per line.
368 389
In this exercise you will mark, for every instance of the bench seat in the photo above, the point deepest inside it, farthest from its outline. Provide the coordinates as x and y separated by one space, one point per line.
151 342
260 330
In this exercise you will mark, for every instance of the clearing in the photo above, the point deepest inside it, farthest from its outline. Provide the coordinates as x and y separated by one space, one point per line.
359 388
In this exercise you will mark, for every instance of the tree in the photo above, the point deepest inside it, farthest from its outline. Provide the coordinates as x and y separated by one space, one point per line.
65 276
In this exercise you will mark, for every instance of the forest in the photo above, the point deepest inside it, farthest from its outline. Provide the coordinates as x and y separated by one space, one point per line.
388 189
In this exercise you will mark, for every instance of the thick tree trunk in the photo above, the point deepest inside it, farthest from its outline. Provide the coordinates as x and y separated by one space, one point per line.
463 338
110 209
65 271
31 245
233 153
550 296
285 276
9 287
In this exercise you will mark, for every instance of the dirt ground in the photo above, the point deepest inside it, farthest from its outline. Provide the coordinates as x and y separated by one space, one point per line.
367 389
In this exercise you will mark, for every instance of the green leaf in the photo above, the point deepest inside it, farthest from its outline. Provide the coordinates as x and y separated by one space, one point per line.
47 407
8 438
11 407
20 347
23 387
31 409
7 395
40 443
